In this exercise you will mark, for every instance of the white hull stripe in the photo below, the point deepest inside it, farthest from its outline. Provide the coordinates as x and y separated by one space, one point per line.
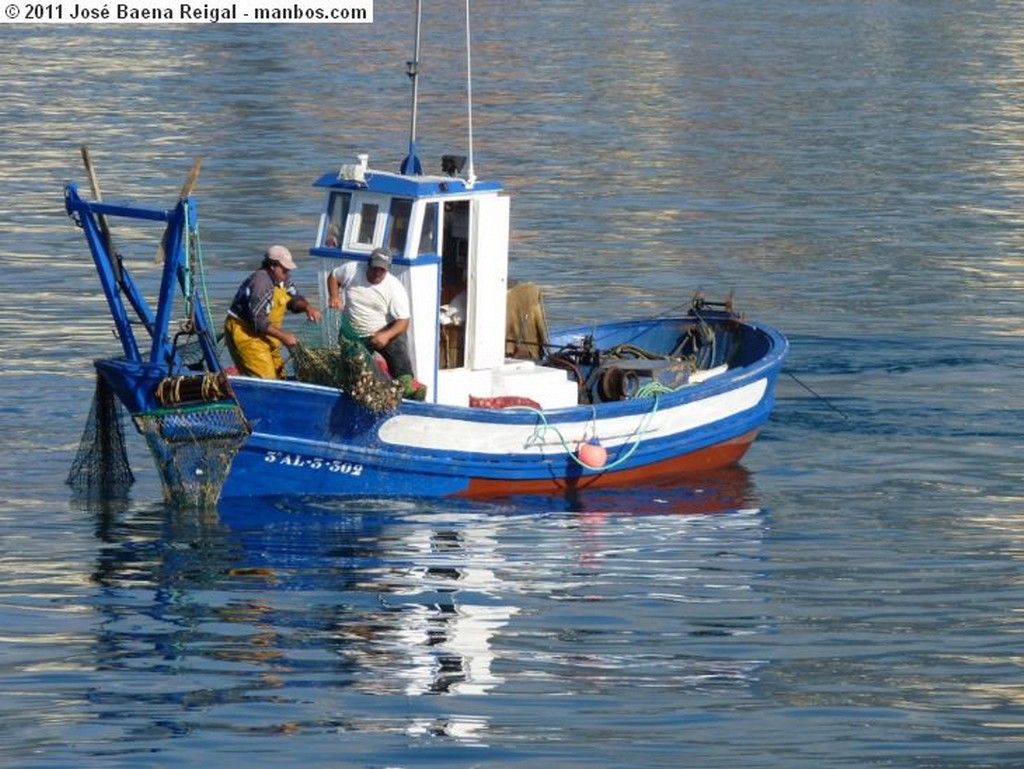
443 434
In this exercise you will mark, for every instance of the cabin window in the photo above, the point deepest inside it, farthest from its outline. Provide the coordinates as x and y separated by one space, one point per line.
337 215
367 223
400 212
428 235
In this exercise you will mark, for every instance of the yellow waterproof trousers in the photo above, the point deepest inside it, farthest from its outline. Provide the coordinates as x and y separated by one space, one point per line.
258 355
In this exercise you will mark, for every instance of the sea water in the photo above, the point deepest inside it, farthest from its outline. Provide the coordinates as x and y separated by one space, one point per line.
849 596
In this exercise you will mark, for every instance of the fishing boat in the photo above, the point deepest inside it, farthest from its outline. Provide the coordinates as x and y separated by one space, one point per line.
511 406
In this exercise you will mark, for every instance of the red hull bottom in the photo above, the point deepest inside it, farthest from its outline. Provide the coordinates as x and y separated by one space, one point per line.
712 458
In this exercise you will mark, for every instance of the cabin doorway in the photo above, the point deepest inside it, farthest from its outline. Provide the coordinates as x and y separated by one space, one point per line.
454 280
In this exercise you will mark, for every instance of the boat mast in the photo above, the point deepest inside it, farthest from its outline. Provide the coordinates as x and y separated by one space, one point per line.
411 164
471 175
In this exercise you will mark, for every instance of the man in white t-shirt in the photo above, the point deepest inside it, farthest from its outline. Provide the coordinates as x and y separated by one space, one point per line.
376 307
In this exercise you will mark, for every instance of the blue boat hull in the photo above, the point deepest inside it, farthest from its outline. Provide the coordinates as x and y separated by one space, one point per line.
309 439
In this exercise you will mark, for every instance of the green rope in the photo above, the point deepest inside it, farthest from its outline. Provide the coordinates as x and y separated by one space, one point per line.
201 269
544 426
655 389
194 246
194 264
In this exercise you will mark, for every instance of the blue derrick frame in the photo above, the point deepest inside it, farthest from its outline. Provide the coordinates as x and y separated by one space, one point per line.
134 376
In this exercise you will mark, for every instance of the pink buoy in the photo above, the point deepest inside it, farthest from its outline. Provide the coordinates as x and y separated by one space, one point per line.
592 454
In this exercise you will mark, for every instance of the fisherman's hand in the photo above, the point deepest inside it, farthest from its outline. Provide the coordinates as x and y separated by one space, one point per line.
313 314
289 340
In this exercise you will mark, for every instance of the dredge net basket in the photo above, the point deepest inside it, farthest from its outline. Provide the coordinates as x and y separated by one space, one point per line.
193 447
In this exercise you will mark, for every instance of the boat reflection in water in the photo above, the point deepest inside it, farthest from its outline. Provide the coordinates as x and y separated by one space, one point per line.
723 490
403 599
437 567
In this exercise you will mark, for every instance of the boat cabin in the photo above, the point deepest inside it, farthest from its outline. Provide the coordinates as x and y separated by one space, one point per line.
449 238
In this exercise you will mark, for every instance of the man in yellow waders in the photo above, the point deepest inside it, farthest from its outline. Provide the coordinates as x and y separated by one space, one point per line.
253 329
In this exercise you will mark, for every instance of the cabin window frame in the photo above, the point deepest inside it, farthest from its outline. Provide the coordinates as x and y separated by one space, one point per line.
336 221
354 240
365 229
395 218
431 219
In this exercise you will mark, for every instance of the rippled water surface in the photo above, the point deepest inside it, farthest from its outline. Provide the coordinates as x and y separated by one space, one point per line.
849 596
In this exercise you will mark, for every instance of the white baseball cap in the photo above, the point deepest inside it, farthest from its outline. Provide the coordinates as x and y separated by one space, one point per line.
281 255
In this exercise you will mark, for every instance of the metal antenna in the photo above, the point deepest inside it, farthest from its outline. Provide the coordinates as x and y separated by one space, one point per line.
411 164
471 175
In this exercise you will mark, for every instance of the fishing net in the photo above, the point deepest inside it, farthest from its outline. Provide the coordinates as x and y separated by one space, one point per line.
193 440
330 354
193 446
100 468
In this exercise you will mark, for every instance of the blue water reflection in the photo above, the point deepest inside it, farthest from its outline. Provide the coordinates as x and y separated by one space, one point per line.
274 600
